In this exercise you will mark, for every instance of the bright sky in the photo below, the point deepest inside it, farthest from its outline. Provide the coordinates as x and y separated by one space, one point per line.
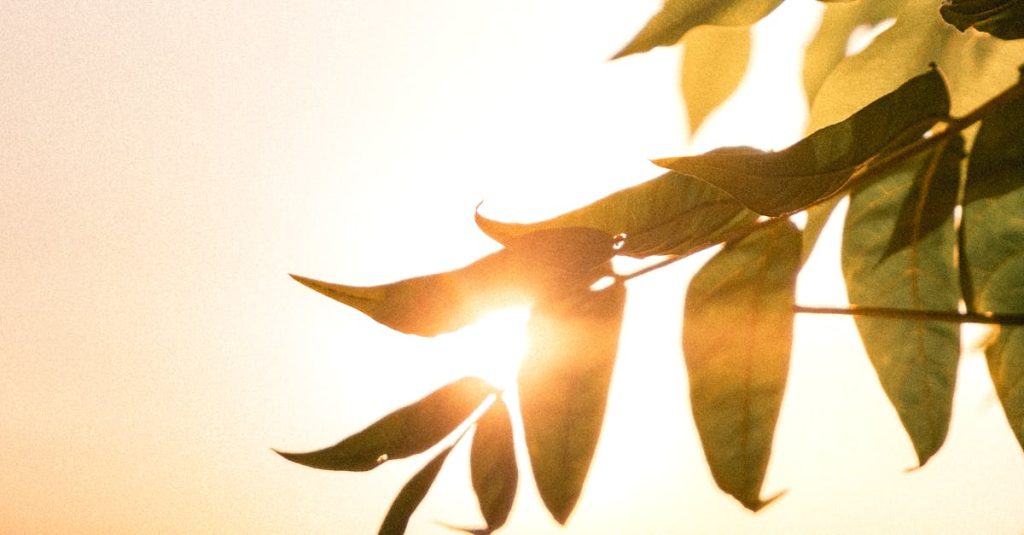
163 166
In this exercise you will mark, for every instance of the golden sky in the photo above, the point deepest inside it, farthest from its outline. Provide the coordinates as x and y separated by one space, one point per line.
165 165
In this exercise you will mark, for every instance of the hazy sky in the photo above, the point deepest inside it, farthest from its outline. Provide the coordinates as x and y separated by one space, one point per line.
164 166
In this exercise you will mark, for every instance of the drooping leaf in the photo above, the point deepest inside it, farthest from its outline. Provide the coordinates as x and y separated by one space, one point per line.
677 17
1001 18
838 23
784 182
411 495
1006 367
737 333
563 389
407 431
898 252
670 214
531 266
714 61
493 466
992 247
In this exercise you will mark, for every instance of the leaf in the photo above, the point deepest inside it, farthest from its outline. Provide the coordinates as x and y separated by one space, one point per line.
493 466
916 360
737 333
784 182
563 390
714 61
828 48
976 66
1006 367
407 431
677 17
992 247
411 495
1001 18
670 214
993 219
532 266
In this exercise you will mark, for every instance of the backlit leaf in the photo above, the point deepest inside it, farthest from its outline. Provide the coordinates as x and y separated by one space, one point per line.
976 67
407 431
563 390
1001 18
670 214
493 466
677 17
992 247
1006 366
411 495
532 266
737 333
714 61
898 252
829 45
779 183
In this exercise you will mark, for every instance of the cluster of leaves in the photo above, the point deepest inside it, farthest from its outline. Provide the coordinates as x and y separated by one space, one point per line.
883 132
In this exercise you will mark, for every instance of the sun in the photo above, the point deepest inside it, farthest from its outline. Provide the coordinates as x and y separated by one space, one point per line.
493 346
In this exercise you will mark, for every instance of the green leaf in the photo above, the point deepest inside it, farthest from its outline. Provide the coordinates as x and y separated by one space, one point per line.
677 17
411 495
563 390
670 214
493 466
714 61
1001 18
1006 366
993 220
898 252
737 333
828 48
533 266
407 431
784 182
976 66
992 247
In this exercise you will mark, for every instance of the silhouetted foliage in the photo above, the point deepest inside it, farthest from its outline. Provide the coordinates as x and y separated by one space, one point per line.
884 133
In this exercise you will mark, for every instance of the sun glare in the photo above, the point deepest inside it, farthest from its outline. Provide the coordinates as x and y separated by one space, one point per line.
493 346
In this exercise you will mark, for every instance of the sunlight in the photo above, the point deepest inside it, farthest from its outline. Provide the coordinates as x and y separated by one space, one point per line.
493 346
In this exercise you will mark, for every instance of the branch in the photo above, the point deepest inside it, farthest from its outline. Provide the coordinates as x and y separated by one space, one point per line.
988 318
872 167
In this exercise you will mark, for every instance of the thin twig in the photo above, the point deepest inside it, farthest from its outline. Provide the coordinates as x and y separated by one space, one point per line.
929 315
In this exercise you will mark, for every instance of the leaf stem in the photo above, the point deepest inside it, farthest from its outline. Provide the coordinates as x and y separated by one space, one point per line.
735 234
872 167
988 318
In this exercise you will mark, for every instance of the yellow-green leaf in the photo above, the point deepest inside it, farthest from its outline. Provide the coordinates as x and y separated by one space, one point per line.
992 247
563 390
677 17
737 334
532 266
828 48
784 182
714 61
411 495
407 431
670 214
898 252
493 466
